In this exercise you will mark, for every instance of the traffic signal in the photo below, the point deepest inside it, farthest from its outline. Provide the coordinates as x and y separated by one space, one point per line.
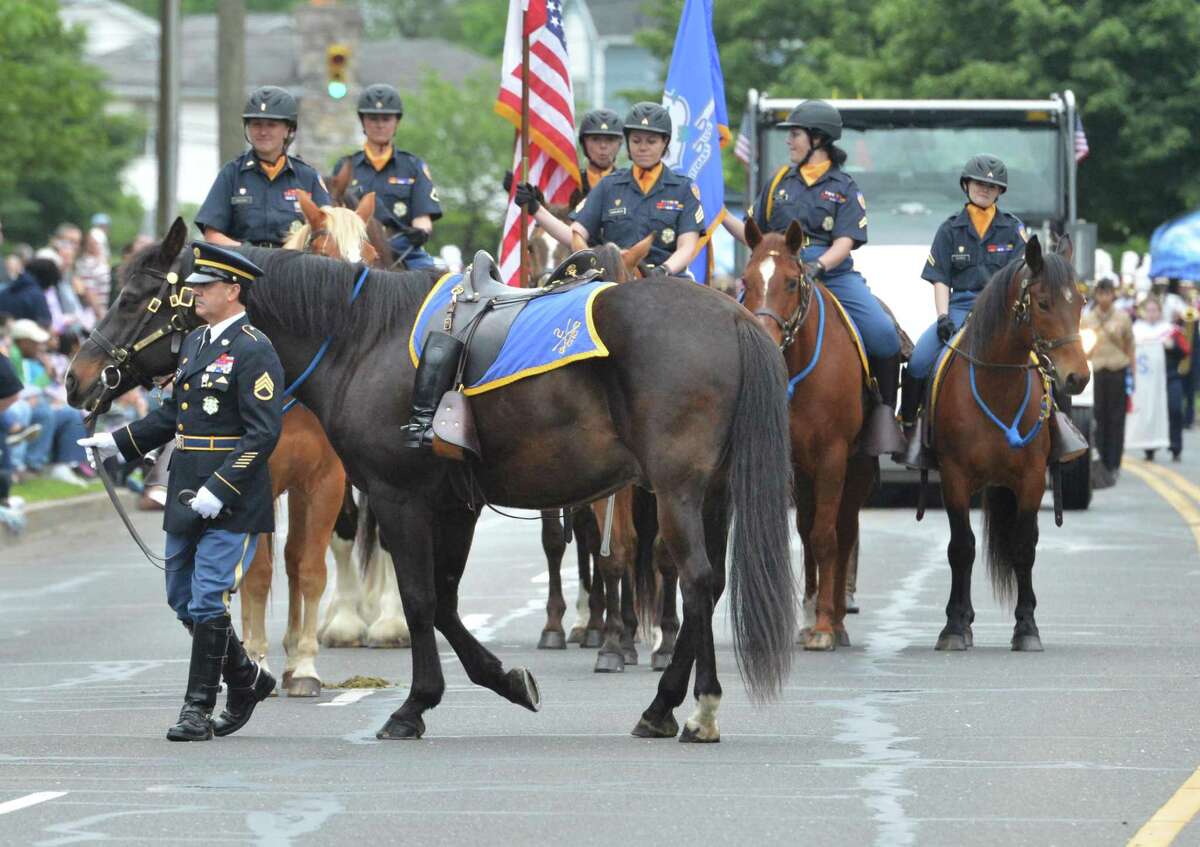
337 70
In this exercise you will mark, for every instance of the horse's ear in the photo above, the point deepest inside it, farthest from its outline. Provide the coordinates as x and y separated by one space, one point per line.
577 242
366 207
340 181
172 243
312 213
1033 255
1066 248
794 238
632 257
753 233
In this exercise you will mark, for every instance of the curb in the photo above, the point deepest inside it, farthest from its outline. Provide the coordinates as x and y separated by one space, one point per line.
55 515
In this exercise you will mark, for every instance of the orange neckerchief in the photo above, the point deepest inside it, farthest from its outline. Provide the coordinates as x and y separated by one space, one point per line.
645 179
378 162
273 171
595 175
981 219
812 173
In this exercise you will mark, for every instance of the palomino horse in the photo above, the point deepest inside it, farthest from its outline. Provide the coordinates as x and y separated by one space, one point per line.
659 413
833 478
1022 335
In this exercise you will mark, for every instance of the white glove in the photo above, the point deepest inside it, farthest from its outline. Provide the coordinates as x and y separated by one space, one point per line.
206 504
99 447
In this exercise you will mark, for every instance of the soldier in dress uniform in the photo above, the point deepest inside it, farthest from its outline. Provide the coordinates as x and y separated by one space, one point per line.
255 197
647 198
224 416
406 200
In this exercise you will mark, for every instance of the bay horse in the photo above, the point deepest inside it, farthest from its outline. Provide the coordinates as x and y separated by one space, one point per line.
654 411
1022 336
833 478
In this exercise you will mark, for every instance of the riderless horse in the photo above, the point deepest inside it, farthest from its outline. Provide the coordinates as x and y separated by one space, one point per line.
705 439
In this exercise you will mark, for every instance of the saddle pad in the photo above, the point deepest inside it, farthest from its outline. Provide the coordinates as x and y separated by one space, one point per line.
854 334
550 331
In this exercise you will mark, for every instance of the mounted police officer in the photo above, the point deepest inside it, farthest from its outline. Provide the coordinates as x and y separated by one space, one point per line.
225 416
406 201
815 191
255 197
600 134
645 199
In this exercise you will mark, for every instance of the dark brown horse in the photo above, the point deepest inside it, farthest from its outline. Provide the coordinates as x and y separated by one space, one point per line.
655 411
833 478
1023 334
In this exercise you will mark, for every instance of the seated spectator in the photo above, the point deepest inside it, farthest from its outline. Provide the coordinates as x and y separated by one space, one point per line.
25 297
11 514
92 273
65 309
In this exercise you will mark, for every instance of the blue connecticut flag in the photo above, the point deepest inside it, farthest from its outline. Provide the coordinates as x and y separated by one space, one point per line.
695 97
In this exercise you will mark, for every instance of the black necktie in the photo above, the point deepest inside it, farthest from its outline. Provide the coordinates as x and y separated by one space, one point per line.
204 338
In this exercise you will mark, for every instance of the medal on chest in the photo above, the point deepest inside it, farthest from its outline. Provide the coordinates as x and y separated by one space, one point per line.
222 365
211 405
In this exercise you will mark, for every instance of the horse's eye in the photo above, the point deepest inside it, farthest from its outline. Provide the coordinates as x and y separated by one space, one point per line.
793 283
1044 305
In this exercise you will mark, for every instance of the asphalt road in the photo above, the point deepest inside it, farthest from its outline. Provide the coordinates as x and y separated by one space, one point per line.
885 743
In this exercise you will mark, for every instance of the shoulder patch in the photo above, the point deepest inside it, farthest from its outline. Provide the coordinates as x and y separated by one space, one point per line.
862 201
582 203
425 170
1023 232
321 182
696 190
931 262
264 387
862 222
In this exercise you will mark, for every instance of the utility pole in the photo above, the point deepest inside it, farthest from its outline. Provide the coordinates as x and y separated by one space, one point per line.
168 114
231 76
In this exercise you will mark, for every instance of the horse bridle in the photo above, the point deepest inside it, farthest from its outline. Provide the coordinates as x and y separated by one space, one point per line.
112 376
790 327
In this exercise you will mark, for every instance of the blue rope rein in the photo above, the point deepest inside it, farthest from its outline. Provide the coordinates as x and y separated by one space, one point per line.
320 354
816 356
1012 434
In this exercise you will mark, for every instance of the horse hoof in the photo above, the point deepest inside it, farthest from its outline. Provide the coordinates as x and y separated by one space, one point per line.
388 638
335 638
303 686
660 661
1027 644
843 638
665 728
970 638
951 641
630 655
803 635
552 639
610 663
819 641
592 639
699 735
523 689
398 730
576 636
286 679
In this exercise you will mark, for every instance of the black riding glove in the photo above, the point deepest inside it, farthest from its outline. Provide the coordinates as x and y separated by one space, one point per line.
529 196
658 270
507 181
814 270
415 235
945 328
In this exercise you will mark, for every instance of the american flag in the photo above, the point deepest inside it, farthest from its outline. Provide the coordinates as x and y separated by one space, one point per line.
552 164
1081 145
742 148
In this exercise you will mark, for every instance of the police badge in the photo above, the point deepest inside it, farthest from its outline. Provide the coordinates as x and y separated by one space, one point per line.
827 224
668 235
400 208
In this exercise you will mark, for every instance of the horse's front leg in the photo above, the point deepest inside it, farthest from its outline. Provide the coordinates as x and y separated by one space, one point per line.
956 495
389 629
584 524
1026 637
255 587
827 483
343 625
554 545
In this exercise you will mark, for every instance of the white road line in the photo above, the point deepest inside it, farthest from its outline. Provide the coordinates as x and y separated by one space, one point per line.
29 800
348 697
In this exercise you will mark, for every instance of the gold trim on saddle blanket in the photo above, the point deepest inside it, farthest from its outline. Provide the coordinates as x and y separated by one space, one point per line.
855 337
948 353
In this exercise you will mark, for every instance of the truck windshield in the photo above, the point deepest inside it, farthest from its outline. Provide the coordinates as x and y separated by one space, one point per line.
909 175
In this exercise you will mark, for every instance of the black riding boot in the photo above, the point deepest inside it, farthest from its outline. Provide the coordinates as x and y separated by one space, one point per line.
912 393
882 435
247 683
1067 443
435 376
204 677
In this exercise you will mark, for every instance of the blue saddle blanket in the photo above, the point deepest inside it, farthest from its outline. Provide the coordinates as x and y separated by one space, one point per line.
551 331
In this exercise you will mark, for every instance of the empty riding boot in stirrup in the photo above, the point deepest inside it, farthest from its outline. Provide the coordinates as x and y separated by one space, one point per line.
204 677
881 434
435 376
1067 443
248 685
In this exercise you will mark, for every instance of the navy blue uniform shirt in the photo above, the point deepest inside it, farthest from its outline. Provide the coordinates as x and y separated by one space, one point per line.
964 261
616 210
832 207
247 206
404 189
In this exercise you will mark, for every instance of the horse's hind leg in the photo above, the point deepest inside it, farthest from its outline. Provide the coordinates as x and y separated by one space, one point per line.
554 545
805 508
613 568
668 620
1024 539
956 495
860 478
255 587
389 629
584 523
343 626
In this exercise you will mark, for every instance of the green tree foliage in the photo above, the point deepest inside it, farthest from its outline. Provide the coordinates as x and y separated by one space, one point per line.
1131 65
61 155
198 7
476 24
468 149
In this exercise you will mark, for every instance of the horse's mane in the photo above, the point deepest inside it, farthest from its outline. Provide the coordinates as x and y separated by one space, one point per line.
992 313
344 226
610 262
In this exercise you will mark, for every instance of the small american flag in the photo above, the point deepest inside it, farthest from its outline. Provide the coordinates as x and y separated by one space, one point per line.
552 164
1081 145
742 148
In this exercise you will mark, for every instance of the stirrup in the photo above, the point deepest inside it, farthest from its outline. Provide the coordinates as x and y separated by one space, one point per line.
881 433
1067 443
917 456
417 434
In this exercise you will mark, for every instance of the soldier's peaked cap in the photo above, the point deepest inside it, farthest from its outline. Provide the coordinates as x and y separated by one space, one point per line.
218 264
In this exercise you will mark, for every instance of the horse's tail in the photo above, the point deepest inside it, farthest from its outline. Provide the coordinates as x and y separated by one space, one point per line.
645 575
999 529
762 589
366 542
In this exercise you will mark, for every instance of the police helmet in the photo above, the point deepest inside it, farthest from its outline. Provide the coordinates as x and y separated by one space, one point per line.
815 116
272 102
648 117
380 99
985 168
601 122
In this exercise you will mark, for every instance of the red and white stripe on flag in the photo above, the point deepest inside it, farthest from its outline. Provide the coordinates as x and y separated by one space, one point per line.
1081 144
552 164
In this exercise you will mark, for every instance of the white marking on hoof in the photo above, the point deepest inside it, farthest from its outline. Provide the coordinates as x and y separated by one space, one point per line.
703 721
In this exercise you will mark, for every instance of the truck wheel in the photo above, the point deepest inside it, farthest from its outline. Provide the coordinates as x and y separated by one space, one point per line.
1077 476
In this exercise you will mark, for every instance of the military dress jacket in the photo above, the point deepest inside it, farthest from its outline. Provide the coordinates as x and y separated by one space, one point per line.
616 210
962 260
247 205
404 189
225 415
832 207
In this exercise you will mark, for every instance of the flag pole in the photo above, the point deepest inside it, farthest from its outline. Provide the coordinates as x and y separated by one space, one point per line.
524 141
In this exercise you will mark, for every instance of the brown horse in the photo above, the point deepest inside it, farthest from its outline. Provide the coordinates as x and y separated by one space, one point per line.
833 478
1023 334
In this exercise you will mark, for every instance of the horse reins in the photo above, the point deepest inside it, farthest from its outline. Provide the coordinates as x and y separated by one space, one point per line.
792 326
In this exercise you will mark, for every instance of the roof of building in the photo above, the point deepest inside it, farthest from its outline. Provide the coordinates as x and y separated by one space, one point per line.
618 17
